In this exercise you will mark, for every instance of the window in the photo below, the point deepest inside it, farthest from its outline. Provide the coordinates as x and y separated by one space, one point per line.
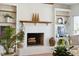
76 25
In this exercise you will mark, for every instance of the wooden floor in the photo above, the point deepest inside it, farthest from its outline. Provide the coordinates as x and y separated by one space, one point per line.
43 54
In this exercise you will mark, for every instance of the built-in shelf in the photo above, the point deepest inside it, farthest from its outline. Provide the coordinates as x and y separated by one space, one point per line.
61 23
7 11
63 15
44 22
7 23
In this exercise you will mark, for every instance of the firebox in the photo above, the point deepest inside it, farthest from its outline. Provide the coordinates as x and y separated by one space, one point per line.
35 39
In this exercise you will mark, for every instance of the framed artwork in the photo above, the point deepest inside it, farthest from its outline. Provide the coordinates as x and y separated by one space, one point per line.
61 31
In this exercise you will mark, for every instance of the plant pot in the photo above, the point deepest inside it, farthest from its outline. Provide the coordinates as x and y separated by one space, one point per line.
10 54
52 41
11 50
20 45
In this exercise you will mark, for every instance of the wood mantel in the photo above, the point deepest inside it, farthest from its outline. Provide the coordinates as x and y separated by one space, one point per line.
44 22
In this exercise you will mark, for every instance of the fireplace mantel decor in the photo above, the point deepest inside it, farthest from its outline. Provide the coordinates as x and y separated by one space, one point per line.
43 22
35 19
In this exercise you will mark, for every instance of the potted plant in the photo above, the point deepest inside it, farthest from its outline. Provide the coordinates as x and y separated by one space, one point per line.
20 38
8 40
62 51
19 41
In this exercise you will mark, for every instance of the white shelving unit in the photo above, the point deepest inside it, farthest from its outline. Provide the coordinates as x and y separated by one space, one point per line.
8 16
61 23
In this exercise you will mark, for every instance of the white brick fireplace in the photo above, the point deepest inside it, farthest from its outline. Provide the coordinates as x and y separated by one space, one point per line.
38 28
24 12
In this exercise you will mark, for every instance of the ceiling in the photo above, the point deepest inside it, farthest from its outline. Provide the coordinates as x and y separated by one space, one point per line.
69 3
15 4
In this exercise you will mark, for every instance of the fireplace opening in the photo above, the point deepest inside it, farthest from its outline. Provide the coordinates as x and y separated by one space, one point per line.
35 39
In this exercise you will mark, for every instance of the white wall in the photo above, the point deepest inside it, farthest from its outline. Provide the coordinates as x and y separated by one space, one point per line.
7 7
61 5
75 10
24 12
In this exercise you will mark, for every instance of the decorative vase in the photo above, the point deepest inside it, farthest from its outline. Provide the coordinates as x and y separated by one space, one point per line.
9 20
33 17
52 41
37 18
